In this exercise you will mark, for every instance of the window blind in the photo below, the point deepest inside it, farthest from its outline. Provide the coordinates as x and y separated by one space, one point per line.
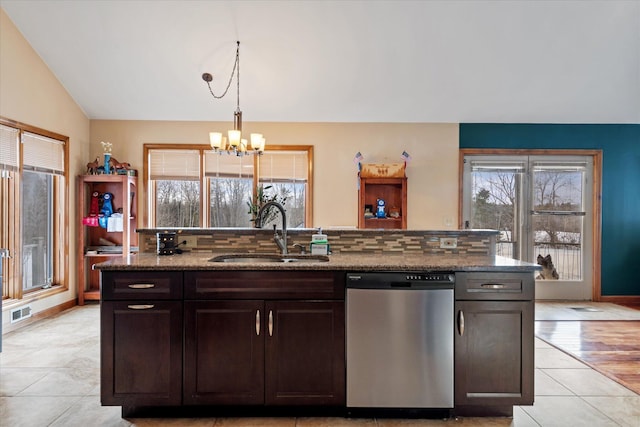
8 148
227 166
497 166
174 164
284 166
42 154
560 166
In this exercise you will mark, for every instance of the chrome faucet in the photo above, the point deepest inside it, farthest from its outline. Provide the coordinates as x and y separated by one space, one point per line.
280 241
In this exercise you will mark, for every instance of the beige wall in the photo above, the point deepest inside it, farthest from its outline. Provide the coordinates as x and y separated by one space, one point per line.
31 94
432 173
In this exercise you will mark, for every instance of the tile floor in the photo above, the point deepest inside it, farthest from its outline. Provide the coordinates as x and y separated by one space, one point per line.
49 376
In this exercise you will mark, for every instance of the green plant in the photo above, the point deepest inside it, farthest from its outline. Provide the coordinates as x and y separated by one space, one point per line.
262 198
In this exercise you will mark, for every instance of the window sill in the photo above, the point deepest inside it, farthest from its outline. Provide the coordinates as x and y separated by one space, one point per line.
11 303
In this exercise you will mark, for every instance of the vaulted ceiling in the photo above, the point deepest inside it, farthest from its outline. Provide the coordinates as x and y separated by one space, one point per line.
343 61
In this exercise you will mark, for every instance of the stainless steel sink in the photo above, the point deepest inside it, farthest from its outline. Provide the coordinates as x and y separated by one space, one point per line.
262 258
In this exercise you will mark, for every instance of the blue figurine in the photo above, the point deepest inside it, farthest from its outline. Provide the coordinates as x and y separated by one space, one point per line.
380 209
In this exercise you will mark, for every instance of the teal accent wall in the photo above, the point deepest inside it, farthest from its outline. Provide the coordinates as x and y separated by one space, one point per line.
620 145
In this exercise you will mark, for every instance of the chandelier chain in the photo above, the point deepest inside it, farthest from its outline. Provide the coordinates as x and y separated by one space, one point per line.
236 66
236 144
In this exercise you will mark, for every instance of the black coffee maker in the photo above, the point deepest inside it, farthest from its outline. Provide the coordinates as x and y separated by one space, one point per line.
166 243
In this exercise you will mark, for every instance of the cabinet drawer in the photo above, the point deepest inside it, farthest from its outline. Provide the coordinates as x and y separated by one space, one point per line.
139 285
494 286
264 285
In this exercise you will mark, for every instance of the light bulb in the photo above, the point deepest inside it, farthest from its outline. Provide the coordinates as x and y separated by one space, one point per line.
215 139
234 138
255 140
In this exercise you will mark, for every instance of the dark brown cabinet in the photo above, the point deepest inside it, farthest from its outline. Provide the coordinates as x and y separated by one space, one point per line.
494 341
173 338
277 338
141 339
264 349
305 353
224 353
143 345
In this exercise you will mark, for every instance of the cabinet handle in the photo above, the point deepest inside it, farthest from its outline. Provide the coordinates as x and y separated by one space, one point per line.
142 285
270 323
493 285
140 306
461 322
258 322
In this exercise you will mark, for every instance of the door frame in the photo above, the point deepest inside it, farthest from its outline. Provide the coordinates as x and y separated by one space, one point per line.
596 197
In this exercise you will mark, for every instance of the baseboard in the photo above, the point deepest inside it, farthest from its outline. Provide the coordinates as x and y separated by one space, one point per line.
39 316
621 299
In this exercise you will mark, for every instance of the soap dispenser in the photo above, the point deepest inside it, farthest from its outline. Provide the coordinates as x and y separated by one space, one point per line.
319 243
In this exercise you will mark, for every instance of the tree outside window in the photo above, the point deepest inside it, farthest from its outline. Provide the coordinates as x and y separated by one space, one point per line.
192 186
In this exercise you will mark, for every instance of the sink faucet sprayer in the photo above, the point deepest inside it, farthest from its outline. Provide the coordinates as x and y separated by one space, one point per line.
281 242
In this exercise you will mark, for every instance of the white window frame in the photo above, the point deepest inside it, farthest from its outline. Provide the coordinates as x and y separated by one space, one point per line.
590 285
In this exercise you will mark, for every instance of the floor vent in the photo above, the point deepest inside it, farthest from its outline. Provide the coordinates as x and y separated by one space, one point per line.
20 313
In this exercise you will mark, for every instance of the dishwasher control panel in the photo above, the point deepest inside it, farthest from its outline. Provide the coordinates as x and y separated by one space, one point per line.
432 277
407 280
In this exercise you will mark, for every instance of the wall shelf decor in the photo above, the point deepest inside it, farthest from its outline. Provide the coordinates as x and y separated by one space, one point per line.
107 226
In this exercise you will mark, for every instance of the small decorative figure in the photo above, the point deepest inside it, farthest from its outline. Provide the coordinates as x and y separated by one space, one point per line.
380 209
92 167
116 165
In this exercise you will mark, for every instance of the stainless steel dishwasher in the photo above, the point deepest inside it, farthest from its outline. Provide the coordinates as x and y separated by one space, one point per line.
399 329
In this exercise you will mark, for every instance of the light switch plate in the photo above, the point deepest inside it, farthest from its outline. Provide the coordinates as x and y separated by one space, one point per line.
192 241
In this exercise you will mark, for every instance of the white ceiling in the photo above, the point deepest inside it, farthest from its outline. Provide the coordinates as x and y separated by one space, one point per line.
344 61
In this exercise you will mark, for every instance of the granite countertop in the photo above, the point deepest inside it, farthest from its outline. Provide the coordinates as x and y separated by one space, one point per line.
356 262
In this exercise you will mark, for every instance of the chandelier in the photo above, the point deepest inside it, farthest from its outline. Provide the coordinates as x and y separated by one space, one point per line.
235 144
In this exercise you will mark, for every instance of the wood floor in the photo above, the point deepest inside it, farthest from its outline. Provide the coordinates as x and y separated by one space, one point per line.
610 347
635 306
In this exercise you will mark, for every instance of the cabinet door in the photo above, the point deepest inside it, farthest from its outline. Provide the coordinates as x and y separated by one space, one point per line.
305 353
494 353
224 352
141 353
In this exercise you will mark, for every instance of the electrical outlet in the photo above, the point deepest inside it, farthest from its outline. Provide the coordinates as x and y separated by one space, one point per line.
192 241
448 242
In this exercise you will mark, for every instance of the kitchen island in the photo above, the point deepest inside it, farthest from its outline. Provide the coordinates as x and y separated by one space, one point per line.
184 332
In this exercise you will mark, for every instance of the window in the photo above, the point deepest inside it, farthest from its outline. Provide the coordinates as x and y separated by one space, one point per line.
176 187
192 186
286 173
230 180
543 207
33 194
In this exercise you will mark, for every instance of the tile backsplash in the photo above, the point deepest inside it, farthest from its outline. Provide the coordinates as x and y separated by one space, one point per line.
230 240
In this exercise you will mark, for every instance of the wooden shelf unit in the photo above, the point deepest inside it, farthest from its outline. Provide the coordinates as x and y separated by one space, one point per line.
91 250
393 191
